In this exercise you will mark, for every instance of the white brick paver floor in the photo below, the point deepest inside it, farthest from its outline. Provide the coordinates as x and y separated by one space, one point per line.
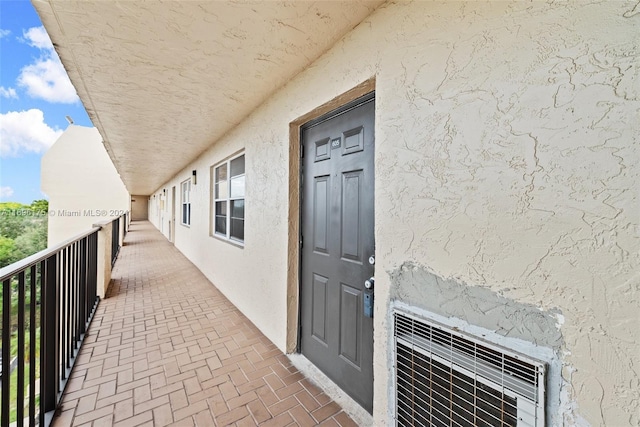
167 348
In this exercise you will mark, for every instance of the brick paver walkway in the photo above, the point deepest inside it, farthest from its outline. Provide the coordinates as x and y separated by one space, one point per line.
166 347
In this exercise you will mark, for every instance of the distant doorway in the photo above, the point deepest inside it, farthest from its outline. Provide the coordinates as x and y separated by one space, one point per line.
139 208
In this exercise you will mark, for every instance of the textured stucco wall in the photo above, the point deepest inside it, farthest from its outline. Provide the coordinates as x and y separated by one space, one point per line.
507 158
81 182
483 313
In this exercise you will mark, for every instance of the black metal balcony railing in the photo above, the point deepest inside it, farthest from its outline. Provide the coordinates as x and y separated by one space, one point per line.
115 239
48 302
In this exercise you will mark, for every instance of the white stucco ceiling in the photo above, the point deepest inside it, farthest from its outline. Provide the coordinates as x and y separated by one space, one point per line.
162 81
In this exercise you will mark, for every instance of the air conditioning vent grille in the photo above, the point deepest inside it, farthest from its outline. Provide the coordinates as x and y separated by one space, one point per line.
444 378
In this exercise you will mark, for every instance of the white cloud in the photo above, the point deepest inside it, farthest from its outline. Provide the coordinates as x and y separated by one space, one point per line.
4 33
25 131
8 92
46 78
38 37
6 192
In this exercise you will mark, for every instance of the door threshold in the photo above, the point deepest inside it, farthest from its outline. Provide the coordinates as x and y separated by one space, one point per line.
331 389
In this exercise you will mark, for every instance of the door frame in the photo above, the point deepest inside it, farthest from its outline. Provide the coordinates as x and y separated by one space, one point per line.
173 215
294 254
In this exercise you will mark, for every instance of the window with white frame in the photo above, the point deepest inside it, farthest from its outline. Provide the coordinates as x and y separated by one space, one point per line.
228 199
186 202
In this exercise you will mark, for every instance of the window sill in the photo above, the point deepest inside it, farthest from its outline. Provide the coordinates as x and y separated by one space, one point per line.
231 242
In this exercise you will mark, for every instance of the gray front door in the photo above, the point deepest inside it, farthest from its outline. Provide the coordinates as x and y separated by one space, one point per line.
337 242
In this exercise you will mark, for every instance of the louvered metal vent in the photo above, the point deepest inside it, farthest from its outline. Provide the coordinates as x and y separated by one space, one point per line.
445 378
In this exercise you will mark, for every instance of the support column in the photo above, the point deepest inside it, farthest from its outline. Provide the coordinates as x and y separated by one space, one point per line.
104 257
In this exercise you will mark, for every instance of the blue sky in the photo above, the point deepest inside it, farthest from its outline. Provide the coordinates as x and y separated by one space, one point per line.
35 97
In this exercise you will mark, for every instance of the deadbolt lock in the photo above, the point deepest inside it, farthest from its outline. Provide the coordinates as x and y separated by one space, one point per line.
368 297
368 284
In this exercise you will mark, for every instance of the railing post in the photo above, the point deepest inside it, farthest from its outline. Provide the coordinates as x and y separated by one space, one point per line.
20 389
6 347
32 338
82 289
49 336
92 267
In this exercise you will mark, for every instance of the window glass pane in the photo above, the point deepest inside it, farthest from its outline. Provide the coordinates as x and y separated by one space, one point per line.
221 208
221 173
237 229
186 188
237 209
221 218
237 166
221 225
189 214
184 213
237 186
223 190
221 182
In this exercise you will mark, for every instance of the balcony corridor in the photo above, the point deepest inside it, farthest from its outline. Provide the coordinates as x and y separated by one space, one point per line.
167 348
